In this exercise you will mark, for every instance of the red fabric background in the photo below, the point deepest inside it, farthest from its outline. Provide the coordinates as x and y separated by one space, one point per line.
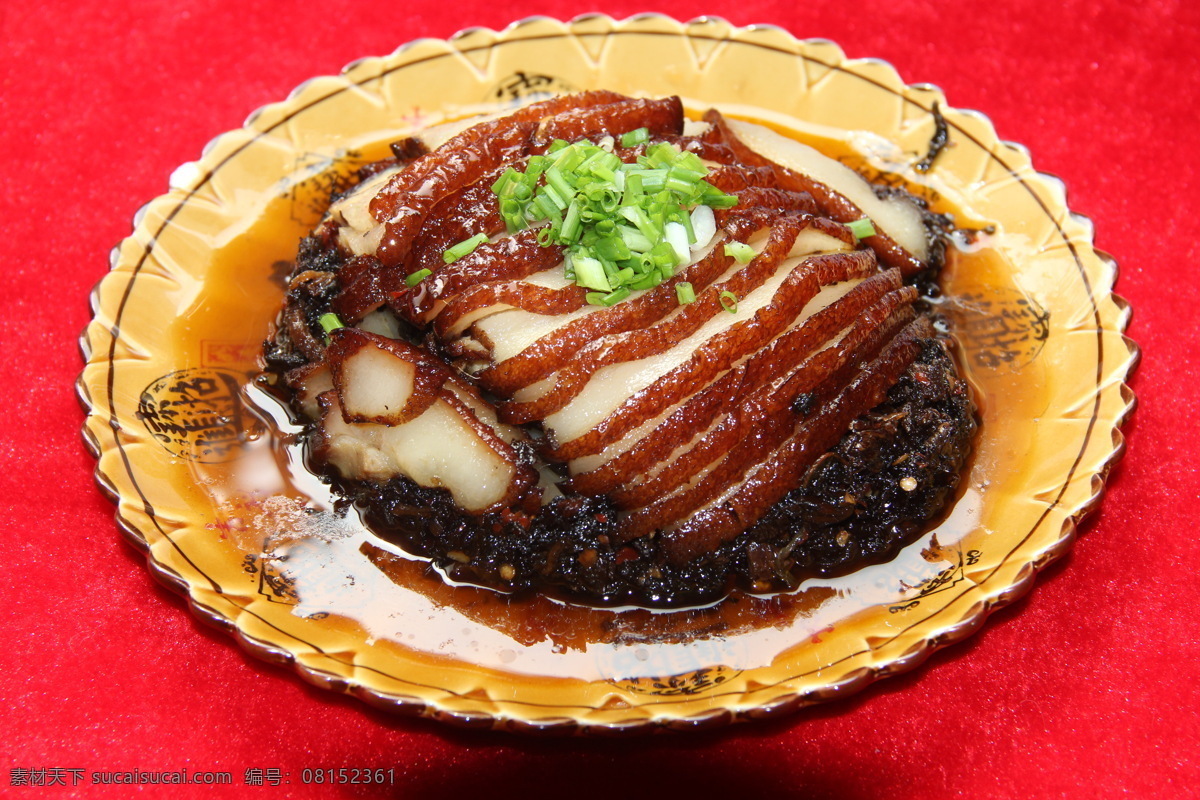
1087 688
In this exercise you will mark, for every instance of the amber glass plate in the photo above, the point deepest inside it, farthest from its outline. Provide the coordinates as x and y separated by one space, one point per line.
208 482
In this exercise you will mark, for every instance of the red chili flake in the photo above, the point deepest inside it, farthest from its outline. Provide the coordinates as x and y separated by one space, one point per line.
602 518
816 637
511 515
626 554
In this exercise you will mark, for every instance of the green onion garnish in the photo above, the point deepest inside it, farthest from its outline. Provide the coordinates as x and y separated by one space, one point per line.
625 226
610 299
740 252
589 273
861 228
729 301
685 293
416 277
462 248
330 322
635 137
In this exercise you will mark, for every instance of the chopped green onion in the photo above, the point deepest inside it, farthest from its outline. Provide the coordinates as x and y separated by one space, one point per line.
626 227
535 167
610 299
555 180
418 276
633 187
663 255
681 182
651 278
547 206
718 199
607 165
686 221
613 248
662 154
634 239
513 213
569 159
637 215
557 198
610 270
685 293
861 228
501 184
589 273
703 224
691 161
729 302
605 198
635 137
617 295
654 179
570 226
677 236
459 250
740 252
330 322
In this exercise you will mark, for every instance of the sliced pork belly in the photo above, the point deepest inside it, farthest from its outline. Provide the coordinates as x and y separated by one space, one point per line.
759 421
396 410
524 347
609 369
545 293
357 229
722 514
682 352
655 448
307 384
901 240
506 259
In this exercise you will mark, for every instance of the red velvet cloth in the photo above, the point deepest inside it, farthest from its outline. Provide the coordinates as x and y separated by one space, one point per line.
1087 688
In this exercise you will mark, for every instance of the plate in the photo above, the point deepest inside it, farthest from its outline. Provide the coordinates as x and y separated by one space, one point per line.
208 483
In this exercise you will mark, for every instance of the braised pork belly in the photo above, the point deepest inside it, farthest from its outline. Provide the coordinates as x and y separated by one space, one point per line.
597 349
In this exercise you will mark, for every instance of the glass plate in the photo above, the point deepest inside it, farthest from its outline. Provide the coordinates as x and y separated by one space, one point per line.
207 486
